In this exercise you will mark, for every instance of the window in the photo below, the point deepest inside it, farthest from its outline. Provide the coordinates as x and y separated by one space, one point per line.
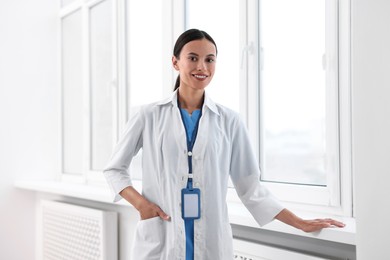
107 60
295 119
72 98
89 83
145 62
298 100
299 111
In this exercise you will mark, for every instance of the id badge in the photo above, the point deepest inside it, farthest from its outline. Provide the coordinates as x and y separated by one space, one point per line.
190 203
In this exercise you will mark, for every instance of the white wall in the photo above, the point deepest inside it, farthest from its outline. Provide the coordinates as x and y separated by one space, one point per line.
28 116
371 126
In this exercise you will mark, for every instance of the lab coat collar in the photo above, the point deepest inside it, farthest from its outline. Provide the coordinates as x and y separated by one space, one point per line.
208 102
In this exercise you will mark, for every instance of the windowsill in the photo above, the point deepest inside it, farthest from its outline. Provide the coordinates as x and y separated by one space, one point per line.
99 193
238 214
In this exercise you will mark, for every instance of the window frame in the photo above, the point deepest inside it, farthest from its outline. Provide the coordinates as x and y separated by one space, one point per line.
117 86
173 24
337 197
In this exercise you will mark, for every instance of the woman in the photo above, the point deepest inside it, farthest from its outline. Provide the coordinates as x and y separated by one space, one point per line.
191 146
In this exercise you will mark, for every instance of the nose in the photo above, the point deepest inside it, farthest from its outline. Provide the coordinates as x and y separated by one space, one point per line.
201 65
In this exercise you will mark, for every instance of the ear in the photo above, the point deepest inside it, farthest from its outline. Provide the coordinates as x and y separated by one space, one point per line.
174 63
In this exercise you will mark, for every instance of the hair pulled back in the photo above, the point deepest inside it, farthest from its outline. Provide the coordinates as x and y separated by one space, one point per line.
186 37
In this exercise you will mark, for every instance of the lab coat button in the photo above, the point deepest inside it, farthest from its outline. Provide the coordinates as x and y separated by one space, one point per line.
196 184
189 153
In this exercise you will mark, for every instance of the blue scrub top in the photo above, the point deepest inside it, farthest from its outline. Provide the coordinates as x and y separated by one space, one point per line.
190 122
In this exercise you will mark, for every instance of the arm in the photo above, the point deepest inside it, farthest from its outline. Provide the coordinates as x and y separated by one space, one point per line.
117 170
291 219
145 208
245 174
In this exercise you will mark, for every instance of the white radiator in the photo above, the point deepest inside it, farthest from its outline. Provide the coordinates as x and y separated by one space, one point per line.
244 250
70 232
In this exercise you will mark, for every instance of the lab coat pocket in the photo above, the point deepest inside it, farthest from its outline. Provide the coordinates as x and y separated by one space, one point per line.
149 239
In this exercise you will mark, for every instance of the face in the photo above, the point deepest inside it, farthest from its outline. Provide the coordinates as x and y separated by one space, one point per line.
196 64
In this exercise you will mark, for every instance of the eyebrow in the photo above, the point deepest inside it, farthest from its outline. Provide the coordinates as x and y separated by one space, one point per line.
195 54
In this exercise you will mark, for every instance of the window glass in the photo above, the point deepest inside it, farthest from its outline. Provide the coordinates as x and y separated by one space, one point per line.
72 93
145 60
66 2
223 27
293 92
101 84
145 41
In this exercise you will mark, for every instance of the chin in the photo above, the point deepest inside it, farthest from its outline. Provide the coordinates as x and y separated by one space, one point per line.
201 85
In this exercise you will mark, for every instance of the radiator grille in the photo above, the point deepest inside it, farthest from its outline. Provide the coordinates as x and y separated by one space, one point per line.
245 250
72 232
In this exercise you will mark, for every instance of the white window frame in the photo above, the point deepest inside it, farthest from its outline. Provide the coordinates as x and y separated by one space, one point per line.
336 198
173 26
117 85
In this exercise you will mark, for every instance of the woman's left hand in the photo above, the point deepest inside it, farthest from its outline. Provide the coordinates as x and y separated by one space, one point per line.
318 224
290 218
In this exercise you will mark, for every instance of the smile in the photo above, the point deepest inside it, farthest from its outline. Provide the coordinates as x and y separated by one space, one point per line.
199 76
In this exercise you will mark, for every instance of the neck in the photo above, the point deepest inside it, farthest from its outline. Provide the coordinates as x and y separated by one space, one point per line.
190 100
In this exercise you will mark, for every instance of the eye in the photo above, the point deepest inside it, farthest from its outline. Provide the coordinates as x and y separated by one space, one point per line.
210 60
192 58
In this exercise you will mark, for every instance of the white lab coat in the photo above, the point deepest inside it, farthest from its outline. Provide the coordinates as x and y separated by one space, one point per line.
222 149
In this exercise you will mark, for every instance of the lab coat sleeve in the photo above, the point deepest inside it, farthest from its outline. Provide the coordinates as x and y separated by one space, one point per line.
116 171
245 175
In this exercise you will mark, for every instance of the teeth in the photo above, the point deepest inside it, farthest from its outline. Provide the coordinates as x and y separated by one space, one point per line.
200 76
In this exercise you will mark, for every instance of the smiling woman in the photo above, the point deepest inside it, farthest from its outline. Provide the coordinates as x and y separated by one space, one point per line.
194 225
194 58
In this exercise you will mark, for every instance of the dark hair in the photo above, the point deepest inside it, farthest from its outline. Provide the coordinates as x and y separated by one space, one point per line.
186 37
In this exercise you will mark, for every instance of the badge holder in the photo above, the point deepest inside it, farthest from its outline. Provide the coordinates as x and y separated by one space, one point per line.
190 203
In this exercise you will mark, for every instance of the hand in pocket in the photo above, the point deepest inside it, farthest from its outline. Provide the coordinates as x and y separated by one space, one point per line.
150 210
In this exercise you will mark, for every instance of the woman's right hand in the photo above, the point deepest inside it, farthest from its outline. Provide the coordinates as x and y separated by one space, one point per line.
145 208
149 210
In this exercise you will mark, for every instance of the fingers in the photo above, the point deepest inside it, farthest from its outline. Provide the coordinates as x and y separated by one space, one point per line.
331 222
151 211
163 215
335 223
318 224
314 225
